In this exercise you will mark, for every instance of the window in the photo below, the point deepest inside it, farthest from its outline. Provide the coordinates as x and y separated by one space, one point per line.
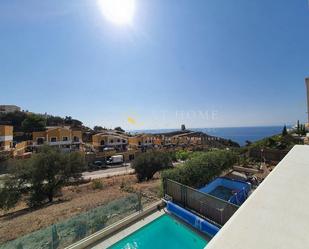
112 141
40 140
102 142
76 139
123 141
65 139
118 140
53 139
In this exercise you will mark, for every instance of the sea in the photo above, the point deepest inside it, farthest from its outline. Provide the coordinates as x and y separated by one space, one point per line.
237 134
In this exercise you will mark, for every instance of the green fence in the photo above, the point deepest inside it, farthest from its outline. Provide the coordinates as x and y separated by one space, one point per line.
65 233
208 206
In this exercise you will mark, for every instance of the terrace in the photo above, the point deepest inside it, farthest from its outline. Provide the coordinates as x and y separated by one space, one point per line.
194 218
221 224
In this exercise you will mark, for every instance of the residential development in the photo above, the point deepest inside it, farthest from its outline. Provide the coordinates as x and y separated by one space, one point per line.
64 138
122 189
6 137
131 124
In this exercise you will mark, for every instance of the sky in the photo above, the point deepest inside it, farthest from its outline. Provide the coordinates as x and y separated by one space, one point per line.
202 63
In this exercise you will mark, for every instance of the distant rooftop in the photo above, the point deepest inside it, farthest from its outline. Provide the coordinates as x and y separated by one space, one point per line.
276 215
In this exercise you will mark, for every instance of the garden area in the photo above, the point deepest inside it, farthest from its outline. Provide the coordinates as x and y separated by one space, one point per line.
79 211
50 210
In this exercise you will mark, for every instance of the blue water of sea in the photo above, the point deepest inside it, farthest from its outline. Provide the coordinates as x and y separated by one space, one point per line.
237 134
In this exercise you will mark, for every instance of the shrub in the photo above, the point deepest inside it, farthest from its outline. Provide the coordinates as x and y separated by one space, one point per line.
19 246
55 237
202 168
172 155
148 163
80 230
183 155
99 223
97 184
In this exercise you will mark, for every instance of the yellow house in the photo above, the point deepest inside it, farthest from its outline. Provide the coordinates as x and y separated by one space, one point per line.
63 137
144 141
108 141
6 137
157 141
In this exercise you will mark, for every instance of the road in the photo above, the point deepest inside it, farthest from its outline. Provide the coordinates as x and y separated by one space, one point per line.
112 171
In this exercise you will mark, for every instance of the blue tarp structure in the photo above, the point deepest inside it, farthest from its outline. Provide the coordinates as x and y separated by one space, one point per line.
192 219
233 191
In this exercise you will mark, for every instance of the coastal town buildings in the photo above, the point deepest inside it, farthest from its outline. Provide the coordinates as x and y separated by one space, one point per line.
109 140
63 137
143 141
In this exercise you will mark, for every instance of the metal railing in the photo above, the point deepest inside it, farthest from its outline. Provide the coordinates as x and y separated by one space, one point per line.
208 206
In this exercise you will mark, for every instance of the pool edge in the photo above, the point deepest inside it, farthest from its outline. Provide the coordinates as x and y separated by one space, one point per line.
96 238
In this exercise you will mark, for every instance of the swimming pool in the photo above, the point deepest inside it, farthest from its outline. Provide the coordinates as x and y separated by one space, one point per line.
233 191
222 192
164 232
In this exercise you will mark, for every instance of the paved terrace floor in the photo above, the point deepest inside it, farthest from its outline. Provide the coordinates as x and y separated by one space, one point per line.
276 215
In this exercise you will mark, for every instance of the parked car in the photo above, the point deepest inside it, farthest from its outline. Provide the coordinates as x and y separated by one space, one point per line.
118 159
96 165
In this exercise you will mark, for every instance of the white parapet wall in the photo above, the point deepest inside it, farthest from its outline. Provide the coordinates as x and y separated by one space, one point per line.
276 215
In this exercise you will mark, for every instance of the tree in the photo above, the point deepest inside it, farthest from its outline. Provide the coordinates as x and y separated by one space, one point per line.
183 127
54 121
50 170
33 123
98 128
10 193
13 118
68 120
270 142
201 168
118 128
303 130
42 176
284 131
148 163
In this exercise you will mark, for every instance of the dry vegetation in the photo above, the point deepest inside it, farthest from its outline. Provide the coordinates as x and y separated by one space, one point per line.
73 200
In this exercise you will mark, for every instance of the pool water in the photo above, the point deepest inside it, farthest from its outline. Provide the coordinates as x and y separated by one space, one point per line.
222 192
164 232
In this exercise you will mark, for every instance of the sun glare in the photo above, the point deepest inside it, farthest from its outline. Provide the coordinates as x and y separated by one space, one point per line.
118 11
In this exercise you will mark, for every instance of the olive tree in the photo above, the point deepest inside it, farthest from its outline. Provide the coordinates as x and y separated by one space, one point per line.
41 176
148 163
